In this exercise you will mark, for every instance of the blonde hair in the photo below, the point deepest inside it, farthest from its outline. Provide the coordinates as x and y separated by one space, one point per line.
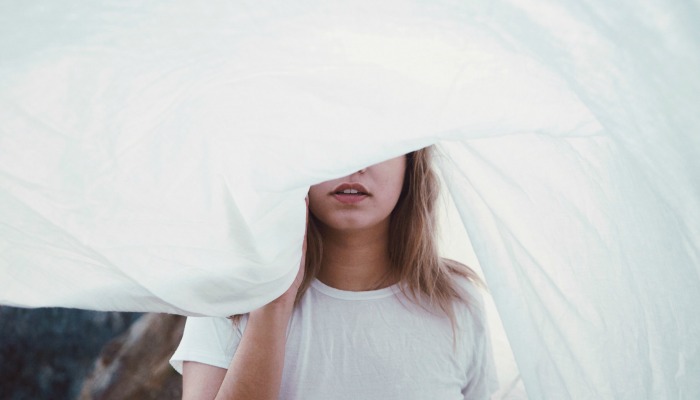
427 279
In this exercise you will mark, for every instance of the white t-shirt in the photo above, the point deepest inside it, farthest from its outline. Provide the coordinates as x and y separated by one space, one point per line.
363 345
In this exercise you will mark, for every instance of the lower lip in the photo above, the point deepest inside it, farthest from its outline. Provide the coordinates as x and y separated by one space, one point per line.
350 198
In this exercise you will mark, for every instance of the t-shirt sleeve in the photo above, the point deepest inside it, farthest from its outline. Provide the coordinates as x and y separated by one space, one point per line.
208 340
481 379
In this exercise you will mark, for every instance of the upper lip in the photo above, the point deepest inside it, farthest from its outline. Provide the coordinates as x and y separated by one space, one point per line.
353 185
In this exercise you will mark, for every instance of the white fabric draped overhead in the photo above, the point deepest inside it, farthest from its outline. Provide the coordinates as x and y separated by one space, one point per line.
154 156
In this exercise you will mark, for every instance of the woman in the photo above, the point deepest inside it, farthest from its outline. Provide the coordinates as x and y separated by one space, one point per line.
374 314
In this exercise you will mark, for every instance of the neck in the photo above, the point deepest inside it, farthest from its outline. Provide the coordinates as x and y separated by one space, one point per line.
356 260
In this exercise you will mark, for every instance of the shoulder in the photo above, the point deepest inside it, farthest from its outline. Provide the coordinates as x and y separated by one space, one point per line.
471 290
206 326
462 273
212 330
464 279
207 340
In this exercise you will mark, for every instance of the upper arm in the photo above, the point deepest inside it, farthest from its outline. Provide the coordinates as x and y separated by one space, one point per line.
201 381
204 354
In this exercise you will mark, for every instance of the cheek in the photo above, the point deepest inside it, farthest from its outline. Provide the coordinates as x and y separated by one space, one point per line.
393 195
393 177
393 186
316 197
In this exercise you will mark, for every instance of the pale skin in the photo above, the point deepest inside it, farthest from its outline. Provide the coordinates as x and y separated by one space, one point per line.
355 258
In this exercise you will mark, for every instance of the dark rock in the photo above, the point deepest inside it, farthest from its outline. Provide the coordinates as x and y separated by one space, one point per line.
46 353
135 365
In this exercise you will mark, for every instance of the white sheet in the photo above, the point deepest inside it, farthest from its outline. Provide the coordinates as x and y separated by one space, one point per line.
154 156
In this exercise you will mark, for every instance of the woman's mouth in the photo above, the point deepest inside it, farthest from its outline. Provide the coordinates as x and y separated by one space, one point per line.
350 196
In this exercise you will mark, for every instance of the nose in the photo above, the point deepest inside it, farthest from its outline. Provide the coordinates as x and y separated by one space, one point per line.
356 175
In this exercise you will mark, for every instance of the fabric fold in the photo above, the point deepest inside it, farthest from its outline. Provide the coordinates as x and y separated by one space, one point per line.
155 157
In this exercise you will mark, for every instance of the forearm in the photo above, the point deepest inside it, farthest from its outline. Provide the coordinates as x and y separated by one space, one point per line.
256 369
